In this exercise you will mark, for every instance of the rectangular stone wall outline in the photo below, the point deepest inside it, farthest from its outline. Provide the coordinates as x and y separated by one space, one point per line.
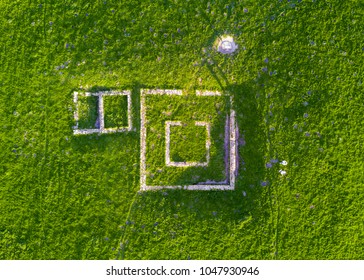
102 129
232 146
168 124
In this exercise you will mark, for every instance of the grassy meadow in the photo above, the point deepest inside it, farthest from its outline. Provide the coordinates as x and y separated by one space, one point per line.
297 87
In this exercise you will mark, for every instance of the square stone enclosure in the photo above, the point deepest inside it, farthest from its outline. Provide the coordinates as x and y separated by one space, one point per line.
160 134
186 163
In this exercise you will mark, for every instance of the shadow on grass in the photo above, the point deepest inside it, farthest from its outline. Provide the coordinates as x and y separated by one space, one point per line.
251 145
244 205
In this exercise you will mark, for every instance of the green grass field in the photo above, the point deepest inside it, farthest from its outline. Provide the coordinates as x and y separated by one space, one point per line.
297 87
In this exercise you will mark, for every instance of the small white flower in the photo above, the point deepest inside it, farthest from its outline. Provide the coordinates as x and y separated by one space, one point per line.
244 193
284 162
282 172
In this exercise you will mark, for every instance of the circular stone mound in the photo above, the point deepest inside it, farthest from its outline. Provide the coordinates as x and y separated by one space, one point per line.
226 44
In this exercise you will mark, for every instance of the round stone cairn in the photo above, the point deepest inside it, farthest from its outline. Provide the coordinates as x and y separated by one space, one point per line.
226 44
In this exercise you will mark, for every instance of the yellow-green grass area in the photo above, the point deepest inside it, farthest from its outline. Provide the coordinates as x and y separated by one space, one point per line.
297 85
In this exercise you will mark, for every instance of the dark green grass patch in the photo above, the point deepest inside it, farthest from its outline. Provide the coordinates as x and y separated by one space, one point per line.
88 112
186 109
188 143
115 111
